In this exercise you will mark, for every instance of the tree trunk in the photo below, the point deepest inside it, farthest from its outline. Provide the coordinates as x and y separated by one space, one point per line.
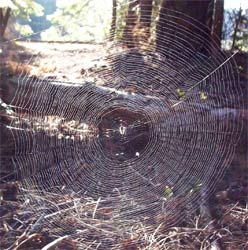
113 23
168 27
145 20
130 20
145 13
218 17
4 20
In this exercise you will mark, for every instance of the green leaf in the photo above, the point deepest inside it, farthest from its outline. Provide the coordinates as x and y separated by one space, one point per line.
24 30
168 192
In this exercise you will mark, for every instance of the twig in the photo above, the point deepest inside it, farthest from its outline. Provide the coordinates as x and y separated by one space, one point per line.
97 203
25 241
54 243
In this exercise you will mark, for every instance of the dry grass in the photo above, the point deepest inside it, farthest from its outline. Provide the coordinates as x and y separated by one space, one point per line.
84 223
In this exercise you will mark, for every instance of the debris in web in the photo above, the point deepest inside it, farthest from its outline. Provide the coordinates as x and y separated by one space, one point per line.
108 160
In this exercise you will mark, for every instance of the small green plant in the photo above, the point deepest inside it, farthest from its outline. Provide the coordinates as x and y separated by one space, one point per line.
168 192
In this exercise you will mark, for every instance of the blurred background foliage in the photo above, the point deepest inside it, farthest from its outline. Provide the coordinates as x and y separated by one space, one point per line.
77 20
91 20
235 29
17 14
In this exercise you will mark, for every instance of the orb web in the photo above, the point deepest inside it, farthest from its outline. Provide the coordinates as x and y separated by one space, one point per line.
149 137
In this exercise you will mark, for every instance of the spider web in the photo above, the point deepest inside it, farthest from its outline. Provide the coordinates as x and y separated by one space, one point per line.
147 140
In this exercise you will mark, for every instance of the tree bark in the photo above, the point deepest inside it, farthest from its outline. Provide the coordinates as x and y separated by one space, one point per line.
4 20
130 20
10 93
145 13
113 23
218 17
145 19
201 11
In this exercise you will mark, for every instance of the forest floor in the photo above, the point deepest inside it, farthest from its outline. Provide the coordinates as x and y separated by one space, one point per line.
63 60
226 225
